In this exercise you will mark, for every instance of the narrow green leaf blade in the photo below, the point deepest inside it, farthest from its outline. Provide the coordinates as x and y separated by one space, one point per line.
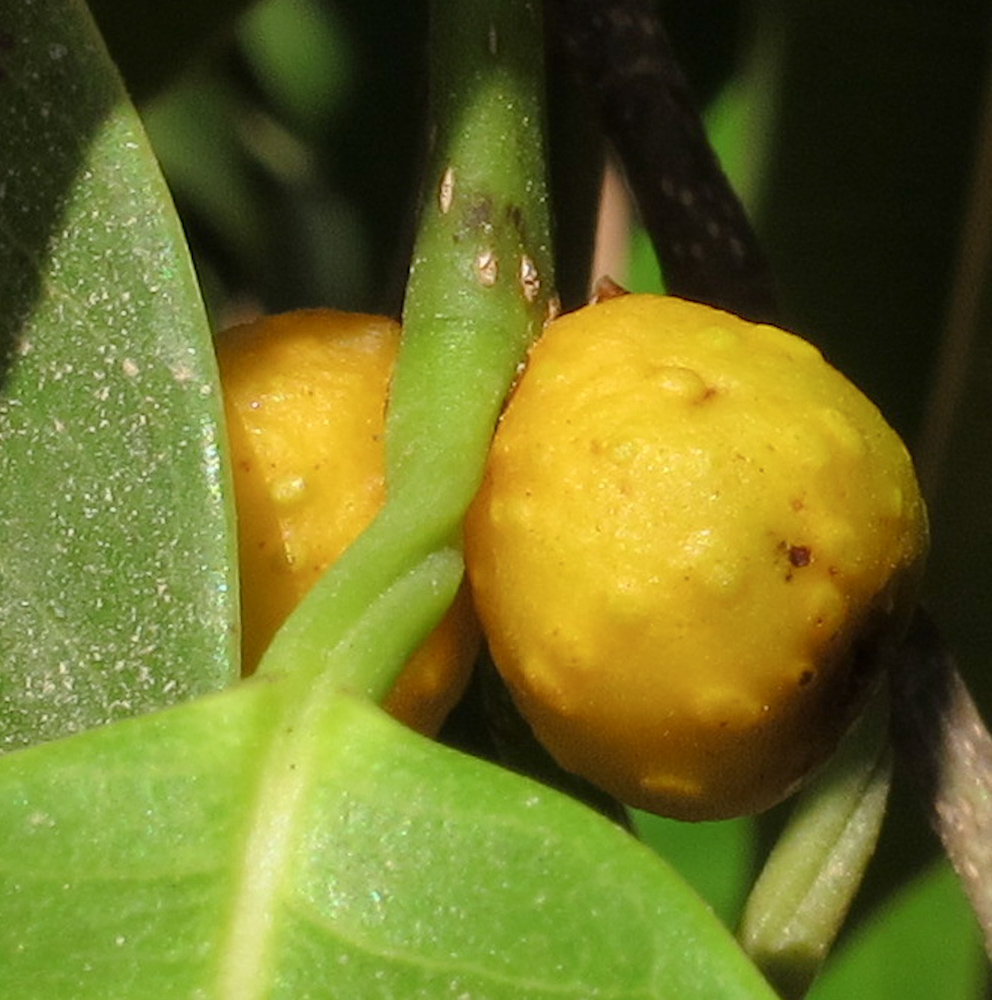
115 548
804 892
238 848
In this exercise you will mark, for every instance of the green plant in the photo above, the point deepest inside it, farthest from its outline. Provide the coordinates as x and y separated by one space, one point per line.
282 836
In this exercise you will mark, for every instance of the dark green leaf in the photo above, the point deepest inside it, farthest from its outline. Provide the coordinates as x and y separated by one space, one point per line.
116 559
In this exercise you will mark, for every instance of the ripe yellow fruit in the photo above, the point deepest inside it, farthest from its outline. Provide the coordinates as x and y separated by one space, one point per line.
690 532
305 398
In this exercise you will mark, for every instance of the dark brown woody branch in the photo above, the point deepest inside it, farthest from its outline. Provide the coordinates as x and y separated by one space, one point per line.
620 54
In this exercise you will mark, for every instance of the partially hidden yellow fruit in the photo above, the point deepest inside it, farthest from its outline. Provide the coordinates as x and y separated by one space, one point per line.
690 532
305 397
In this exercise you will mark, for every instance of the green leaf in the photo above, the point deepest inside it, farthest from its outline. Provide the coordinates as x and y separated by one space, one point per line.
116 556
804 891
259 844
296 50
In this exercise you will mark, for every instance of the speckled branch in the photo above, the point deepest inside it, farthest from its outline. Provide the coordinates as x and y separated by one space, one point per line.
941 740
706 246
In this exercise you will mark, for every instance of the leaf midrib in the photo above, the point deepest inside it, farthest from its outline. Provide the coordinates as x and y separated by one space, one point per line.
286 773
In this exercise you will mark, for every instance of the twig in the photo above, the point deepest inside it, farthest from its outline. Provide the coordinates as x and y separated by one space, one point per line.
706 246
941 740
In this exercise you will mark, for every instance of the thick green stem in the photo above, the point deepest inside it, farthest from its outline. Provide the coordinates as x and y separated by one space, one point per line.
480 287
482 271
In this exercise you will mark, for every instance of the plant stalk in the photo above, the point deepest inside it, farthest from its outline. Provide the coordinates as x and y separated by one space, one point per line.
480 288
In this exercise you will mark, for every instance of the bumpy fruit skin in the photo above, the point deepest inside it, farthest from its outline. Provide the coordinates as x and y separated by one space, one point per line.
305 397
690 534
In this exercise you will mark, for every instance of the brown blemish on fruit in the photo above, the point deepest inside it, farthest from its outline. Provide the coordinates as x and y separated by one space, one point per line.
797 556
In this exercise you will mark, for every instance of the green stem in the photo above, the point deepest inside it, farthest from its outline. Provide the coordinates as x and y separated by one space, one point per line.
803 894
480 286
482 274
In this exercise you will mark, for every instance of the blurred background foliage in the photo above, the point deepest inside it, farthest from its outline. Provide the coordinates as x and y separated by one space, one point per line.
858 134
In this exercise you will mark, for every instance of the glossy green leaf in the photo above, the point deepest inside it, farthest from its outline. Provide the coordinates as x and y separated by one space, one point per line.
278 842
115 550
